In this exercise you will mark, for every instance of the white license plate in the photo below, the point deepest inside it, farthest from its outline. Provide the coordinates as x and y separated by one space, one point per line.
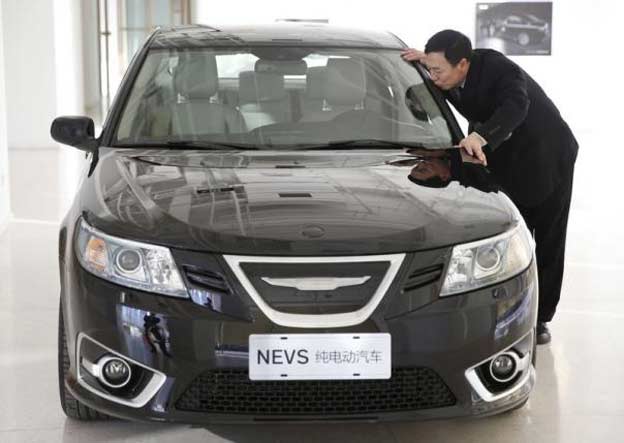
319 356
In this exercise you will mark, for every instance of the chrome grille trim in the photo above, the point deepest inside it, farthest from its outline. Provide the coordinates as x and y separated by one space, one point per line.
317 321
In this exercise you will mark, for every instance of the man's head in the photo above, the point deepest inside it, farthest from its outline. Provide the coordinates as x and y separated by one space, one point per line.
448 58
431 172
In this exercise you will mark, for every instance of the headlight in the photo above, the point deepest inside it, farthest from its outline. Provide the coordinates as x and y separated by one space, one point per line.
482 263
128 263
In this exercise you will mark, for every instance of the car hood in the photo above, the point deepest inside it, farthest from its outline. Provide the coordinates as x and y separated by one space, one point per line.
287 203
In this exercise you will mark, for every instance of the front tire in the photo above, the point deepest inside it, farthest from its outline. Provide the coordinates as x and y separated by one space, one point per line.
72 407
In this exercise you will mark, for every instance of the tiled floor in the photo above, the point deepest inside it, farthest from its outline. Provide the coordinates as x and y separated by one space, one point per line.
578 397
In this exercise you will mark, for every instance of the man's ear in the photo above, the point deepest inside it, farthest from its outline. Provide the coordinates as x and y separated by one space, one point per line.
464 64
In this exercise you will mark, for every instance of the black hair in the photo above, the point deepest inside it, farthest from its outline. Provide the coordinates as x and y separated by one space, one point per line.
432 182
453 44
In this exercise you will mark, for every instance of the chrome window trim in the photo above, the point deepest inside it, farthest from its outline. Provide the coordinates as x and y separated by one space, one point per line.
324 320
156 382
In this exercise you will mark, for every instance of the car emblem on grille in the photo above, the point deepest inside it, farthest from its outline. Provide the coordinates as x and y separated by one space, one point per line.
316 283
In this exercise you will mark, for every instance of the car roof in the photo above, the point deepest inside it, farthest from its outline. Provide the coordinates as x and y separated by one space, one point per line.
278 34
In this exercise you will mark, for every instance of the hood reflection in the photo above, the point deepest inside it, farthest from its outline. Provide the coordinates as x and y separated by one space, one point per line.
438 168
360 201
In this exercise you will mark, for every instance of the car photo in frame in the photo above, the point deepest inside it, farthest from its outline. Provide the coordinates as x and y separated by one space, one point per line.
515 28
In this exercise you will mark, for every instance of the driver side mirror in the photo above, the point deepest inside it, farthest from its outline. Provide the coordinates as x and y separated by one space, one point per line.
78 132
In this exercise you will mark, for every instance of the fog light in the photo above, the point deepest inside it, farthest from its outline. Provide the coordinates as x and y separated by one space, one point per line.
115 372
503 368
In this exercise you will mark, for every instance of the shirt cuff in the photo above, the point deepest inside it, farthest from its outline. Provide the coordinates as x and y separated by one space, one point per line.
481 139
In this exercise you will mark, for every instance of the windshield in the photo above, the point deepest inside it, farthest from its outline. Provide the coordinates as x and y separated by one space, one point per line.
279 98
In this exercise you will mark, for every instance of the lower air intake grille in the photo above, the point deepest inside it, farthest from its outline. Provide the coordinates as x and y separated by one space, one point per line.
231 391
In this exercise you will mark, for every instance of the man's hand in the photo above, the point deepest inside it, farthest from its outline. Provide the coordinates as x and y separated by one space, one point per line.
466 158
413 55
473 145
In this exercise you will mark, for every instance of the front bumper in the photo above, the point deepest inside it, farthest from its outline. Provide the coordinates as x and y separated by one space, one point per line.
450 337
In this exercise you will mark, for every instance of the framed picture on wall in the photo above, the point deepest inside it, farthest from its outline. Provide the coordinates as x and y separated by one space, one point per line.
515 28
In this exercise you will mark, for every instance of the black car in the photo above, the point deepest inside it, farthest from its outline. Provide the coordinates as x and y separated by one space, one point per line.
274 225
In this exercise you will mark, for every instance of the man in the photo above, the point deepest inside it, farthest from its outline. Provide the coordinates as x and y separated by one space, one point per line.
517 131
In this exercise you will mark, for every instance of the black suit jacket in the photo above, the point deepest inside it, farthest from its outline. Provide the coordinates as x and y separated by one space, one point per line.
530 147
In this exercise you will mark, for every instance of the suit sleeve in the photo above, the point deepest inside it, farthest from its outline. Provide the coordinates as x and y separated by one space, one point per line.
511 107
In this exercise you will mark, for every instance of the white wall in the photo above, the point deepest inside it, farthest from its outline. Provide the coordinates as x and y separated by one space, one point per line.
43 68
91 63
4 159
584 53
30 72
68 57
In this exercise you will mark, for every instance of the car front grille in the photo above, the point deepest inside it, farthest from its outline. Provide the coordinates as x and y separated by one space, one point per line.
295 301
231 391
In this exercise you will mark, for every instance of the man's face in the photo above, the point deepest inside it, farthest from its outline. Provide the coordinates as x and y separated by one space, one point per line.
444 75
432 167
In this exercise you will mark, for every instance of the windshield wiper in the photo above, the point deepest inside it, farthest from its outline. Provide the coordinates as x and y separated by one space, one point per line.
187 144
364 143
